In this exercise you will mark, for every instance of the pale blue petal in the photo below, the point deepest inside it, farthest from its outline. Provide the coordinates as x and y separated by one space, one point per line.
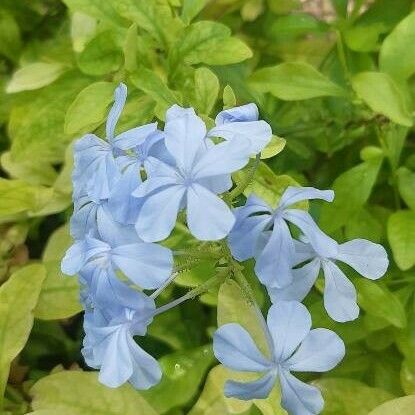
257 389
258 133
223 158
234 347
123 206
147 265
176 111
244 236
288 322
217 184
84 219
324 245
367 258
209 218
298 398
339 294
158 214
120 96
298 194
273 264
303 281
146 370
303 252
153 184
247 112
320 351
134 137
184 137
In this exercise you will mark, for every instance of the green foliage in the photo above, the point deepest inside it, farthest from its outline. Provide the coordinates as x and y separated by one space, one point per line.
336 85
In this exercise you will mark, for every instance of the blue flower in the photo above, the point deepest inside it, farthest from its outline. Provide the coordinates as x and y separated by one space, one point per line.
110 347
263 233
293 347
367 258
200 172
95 167
242 123
147 265
123 206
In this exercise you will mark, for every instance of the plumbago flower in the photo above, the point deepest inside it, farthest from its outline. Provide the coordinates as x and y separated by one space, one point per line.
128 192
367 258
293 347
262 233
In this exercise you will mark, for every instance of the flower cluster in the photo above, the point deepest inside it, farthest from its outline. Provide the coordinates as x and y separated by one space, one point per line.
129 192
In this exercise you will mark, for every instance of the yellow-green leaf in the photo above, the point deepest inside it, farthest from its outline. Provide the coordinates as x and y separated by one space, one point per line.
399 406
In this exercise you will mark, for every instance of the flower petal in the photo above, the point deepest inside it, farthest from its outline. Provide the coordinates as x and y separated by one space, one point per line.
247 112
222 158
288 322
273 264
297 194
234 347
257 389
320 351
146 371
176 111
158 213
298 398
147 265
208 217
120 96
303 281
367 258
134 137
321 243
184 137
339 294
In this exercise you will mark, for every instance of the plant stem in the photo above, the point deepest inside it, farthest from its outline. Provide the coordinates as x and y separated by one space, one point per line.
201 289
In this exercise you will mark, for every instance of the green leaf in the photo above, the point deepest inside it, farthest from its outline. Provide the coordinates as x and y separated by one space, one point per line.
89 109
378 301
130 48
210 43
28 170
191 8
294 81
18 297
274 147
83 29
59 297
102 10
406 185
101 55
349 397
80 393
407 376
401 236
399 43
17 196
379 91
352 190
206 90
10 41
229 99
399 406
234 306
35 76
154 86
155 17
182 373
36 122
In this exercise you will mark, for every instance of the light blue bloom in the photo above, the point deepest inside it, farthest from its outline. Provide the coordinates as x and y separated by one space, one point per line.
263 233
293 347
242 122
201 171
110 347
123 206
367 258
95 167
147 265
